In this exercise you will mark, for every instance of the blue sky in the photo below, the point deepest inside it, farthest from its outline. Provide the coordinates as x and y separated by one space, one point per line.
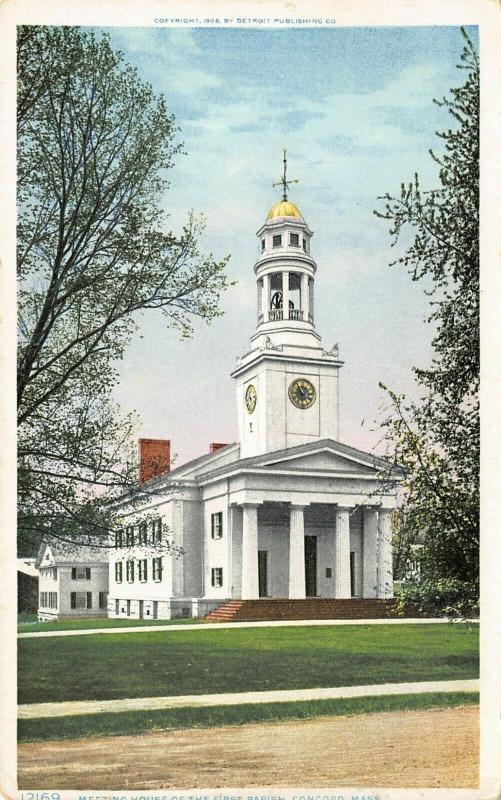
355 108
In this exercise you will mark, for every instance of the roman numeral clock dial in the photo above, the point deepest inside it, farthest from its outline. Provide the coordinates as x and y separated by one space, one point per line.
302 393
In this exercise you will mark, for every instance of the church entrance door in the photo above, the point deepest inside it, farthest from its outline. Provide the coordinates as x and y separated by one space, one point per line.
352 574
310 565
262 566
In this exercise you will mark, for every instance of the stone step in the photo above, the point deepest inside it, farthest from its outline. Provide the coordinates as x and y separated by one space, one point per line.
308 608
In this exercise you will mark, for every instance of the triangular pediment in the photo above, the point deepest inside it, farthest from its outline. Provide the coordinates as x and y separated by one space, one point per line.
324 457
321 461
320 457
45 557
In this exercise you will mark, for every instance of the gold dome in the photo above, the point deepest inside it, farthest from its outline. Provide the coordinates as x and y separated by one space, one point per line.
284 209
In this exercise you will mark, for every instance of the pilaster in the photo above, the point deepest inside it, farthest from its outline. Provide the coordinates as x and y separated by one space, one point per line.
385 555
285 295
266 297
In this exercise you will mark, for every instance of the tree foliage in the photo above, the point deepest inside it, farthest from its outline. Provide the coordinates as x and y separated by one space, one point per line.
94 148
437 440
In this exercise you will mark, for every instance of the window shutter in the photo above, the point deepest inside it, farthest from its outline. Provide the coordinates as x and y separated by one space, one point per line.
89 599
73 602
87 573
73 574
212 524
212 577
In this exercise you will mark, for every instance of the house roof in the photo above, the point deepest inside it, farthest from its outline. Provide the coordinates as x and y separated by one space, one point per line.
71 553
27 566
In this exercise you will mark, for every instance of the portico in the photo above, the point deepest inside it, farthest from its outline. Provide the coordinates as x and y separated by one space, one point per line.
292 550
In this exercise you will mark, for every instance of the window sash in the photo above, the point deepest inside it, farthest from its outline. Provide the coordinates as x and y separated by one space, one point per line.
129 535
143 569
217 577
143 533
217 525
119 571
81 600
157 568
80 573
156 530
130 571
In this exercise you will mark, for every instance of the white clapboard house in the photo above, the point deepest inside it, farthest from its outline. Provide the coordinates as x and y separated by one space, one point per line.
73 581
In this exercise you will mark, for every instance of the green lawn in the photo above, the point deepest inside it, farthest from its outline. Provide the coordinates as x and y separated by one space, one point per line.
25 617
241 659
133 722
100 622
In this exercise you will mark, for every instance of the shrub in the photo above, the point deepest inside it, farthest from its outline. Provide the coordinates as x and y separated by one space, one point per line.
440 597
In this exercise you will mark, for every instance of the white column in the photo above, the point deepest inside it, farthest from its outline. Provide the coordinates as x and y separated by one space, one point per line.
250 583
385 555
370 550
305 301
342 545
285 294
297 582
266 297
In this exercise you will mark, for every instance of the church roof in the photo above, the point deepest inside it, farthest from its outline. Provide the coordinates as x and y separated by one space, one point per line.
360 460
284 208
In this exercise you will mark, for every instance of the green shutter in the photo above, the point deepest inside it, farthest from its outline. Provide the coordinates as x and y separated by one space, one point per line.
73 602
73 573
89 599
87 573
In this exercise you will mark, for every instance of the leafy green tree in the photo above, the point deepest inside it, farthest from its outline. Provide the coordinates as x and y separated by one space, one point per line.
437 440
94 148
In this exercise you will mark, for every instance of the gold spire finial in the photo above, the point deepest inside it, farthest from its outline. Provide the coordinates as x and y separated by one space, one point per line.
283 180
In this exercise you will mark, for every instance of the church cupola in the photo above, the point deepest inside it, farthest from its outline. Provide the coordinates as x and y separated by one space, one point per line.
285 272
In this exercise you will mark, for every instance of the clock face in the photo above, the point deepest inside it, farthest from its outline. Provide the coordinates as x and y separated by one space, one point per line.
302 393
250 398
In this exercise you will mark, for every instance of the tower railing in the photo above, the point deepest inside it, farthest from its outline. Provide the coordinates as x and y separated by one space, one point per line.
277 315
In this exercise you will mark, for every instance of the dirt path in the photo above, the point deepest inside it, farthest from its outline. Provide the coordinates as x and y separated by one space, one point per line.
431 748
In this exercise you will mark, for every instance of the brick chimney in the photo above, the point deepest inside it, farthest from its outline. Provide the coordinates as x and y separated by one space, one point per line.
154 458
215 446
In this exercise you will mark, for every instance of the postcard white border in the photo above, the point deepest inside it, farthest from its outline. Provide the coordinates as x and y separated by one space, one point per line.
128 13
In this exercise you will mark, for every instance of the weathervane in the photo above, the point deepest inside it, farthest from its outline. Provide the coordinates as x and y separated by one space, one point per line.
283 180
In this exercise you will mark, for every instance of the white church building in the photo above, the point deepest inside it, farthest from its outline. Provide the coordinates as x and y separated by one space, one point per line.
287 512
